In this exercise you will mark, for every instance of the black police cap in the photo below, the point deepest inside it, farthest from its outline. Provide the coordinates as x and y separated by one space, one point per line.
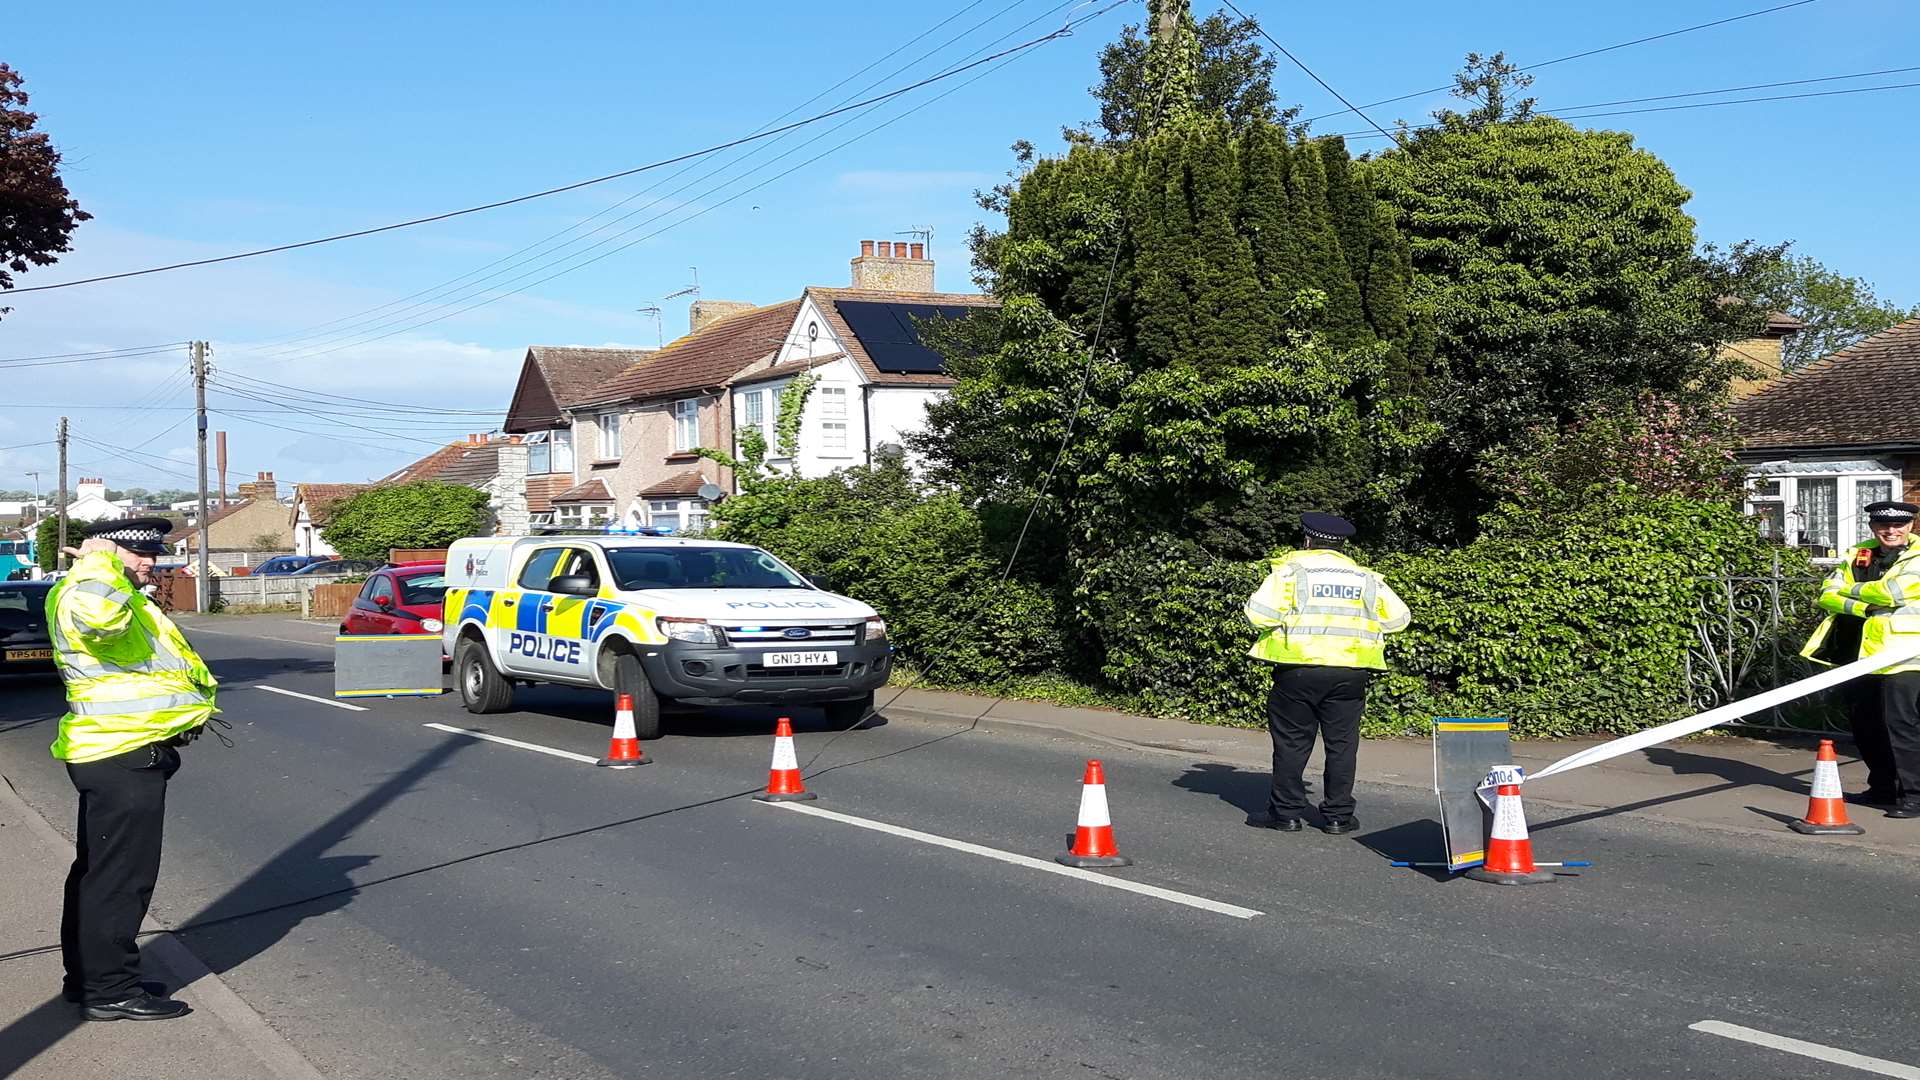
1891 512
1325 526
142 536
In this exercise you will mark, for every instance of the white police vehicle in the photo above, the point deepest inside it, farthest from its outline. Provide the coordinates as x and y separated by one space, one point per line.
666 619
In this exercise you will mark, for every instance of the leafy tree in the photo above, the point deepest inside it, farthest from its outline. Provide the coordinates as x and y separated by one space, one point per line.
1837 310
1222 69
46 540
1560 274
37 213
425 514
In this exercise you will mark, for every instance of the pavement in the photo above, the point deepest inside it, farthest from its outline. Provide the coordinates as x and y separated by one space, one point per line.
397 899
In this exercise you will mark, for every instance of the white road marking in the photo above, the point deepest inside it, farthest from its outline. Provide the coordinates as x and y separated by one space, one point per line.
307 697
1027 861
1880 1066
515 743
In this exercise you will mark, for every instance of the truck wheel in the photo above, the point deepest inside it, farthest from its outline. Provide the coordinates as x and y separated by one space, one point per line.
845 714
630 678
482 689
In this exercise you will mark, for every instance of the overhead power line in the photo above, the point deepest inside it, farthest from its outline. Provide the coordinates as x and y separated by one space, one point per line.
575 186
1578 56
1324 85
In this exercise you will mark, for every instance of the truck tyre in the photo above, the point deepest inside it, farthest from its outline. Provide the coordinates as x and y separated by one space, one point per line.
630 678
482 689
846 714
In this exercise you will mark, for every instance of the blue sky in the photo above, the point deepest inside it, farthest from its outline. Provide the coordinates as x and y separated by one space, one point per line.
226 127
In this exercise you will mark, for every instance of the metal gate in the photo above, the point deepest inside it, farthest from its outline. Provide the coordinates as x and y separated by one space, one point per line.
1747 638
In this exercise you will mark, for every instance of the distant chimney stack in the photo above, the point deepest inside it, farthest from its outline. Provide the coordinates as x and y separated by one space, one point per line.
705 313
895 267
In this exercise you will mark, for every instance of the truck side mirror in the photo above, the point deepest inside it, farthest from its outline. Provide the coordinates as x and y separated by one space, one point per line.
573 585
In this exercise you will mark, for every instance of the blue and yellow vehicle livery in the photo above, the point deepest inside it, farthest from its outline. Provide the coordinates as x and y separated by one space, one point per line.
665 620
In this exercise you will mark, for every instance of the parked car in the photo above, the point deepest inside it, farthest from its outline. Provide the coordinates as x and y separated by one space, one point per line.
25 644
337 568
399 600
287 564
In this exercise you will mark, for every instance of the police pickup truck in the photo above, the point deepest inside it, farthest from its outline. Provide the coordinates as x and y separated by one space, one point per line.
697 622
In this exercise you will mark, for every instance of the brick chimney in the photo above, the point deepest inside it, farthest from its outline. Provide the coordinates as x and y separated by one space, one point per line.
896 267
705 313
263 488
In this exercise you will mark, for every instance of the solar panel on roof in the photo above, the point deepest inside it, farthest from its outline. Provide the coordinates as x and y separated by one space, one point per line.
890 332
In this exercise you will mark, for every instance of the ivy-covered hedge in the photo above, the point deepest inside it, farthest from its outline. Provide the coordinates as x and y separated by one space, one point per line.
1569 623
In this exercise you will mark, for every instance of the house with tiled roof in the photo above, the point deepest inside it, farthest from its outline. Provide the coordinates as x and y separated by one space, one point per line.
1823 442
637 434
255 521
312 510
551 376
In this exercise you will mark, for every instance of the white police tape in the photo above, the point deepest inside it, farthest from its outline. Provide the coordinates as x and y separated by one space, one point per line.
1732 710
1499 776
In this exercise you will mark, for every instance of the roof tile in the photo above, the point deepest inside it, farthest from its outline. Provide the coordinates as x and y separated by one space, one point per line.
707 357
1857 397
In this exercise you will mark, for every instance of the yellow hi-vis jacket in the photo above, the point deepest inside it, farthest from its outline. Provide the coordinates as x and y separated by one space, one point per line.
1890 606
1320 607
131 677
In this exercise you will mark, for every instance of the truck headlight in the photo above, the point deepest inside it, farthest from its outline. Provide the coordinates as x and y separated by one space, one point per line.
432 626
876 627
695 631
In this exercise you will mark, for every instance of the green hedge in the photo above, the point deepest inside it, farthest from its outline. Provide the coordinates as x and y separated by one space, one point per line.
1571 623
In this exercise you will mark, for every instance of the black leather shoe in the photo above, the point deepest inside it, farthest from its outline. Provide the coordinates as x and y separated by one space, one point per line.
1340 825
158 990
1268 820
1871 797
1905 810
141 1006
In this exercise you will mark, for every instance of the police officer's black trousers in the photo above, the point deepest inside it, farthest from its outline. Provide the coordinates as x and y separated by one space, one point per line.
1900 708
1305 700
1867 715
123 801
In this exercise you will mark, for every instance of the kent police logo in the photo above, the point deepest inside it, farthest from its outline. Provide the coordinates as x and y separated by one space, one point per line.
469 566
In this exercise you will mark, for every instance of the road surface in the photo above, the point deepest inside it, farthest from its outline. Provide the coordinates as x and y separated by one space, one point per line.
403 901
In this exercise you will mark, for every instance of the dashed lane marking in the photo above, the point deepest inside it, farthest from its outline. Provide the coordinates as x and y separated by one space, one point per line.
515 743
1878 1066
308 697
1031 863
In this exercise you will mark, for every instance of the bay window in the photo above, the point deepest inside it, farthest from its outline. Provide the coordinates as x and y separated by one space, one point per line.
1818 505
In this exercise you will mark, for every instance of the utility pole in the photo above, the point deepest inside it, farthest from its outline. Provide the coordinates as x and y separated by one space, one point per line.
60 545
200 420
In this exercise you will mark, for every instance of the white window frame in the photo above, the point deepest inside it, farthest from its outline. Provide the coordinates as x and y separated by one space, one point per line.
753 401
581 515
681 513
562 442
1849 525
833 422
539 453
686 425
609 423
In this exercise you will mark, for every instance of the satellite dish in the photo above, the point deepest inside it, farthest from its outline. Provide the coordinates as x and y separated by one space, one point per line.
711 492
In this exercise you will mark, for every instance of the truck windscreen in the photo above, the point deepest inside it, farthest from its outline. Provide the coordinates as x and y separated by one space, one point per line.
699 568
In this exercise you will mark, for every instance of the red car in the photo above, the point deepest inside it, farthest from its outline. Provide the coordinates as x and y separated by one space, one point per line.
402 599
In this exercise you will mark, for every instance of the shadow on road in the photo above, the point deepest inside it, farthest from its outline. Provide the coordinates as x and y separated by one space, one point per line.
247 670
1244 789
1412 841
1736 774
256 913
596 707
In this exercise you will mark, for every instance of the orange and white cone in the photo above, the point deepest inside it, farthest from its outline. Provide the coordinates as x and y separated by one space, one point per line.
1826 807
624 752
1509 858
783 780
1093 837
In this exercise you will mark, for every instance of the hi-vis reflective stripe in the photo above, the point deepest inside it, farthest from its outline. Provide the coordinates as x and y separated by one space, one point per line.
1471 725
1351 611
1335 631
1093 806
87 667
101 588
1858 608
1399 623
135 705
1254 607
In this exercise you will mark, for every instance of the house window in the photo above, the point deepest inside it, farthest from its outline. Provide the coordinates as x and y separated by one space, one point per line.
610 436
833 420
753 413
677 515
686 424
539 454
582 515
1818 505
562 440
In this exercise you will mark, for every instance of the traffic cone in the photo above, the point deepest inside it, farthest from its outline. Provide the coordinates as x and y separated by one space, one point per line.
1826 807
624 752
1093 837
783 780
1509 858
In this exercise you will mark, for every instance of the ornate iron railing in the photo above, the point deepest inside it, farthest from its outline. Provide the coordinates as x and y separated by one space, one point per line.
1747 638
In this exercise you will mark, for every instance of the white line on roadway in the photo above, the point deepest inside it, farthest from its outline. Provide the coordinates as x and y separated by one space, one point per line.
308 697
1806 1049
516 743
1027 861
